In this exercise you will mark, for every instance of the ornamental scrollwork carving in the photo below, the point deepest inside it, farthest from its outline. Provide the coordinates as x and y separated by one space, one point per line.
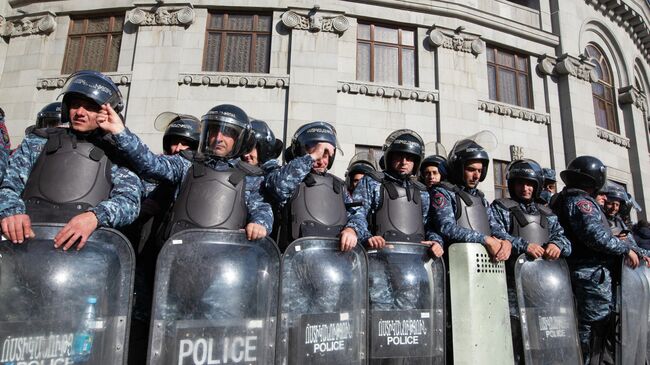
234 80
370 89
28 25
315 22
612 137
514 111
162 16
457 41
578 67
516 152
57 82
631 95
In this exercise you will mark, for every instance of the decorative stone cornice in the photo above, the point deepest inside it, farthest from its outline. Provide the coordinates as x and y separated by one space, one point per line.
456 40
612 137
43 23
404 93
546 65
631 95
516 152
578 67
629 19
163 15
514 111
49 83
234 80
315 22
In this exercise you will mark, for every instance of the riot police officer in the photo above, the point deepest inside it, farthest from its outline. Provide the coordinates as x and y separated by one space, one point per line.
460 211
616 197
182 132
39 186
550 184
361 164
225 136
432 170
313 200
394 202
267 148
596 252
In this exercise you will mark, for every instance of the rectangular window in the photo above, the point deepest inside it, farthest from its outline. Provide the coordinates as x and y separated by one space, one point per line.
386 54
509 77
93 44
373 151
237 43
500 182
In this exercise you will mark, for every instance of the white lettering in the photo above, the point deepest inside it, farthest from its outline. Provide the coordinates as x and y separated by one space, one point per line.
204 351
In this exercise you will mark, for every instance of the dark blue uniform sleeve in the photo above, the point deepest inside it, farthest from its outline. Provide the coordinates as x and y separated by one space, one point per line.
556 236
366 194
429 233
4 156
149 165
19 168
443 220
503 218
497 230
259 211
123 205
281 183
584 217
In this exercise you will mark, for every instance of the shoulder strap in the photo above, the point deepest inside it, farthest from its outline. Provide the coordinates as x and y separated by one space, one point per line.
544 210
376 175
506 203
249 170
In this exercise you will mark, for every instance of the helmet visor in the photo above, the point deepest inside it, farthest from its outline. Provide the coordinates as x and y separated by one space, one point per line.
222 139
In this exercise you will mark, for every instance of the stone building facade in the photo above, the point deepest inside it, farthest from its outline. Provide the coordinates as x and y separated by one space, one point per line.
551 79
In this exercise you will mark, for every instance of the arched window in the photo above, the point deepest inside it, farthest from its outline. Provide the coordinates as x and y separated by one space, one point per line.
603 91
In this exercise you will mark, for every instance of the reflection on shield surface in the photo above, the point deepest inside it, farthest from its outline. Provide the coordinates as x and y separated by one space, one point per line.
633 303
65 307
216 299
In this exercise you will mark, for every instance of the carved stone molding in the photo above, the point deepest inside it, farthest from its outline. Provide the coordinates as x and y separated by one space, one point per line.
546 65
234 80
457 40
163 15
514 111
44 23
396 92
631 95
49 83
516 152
578 67
612 137
315 22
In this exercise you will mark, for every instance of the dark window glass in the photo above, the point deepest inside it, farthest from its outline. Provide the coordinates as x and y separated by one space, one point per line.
93 43
500 182
602 91
509 77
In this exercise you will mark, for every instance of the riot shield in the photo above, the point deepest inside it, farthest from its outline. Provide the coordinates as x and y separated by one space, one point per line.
215 299
548 316
64 307
480 317
323 304
407 302
633 302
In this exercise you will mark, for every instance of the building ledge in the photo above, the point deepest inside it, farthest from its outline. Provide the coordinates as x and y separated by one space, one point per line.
57 82
514 111
386 91
232 79
612 137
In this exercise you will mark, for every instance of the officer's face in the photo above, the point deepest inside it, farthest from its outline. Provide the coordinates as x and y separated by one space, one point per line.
431 176
83 114
251 157
612 207
524 189
472 173
550 186
601 199
320 165
222 140
355 180
176 145
402 163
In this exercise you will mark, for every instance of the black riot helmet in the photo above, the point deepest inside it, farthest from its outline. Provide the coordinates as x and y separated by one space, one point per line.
585 172
361 163
435 160
528 170
230 121
464 151
91 85
308 136
404 141
615 192
49 116
268 147
183 126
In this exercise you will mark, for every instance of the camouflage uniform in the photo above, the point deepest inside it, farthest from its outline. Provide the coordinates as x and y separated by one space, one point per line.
120 209
442 218
173 168
4 150
595 259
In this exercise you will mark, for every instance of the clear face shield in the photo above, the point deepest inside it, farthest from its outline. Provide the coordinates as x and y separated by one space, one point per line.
222 139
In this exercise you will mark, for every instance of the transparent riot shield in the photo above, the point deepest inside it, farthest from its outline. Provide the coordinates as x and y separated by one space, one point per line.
633 303
547 308
215 299
324 300
407 302
480 317
65 307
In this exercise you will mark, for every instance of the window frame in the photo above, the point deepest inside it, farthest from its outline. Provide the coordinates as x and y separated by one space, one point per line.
610 106
399 47
224 33
503 166
527 73
84 35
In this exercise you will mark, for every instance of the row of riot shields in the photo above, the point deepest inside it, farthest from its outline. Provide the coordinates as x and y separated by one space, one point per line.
221 299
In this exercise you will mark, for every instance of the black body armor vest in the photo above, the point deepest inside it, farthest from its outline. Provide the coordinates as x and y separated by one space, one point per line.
470 211
70 176
212 199
531 227
399 217
316 208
